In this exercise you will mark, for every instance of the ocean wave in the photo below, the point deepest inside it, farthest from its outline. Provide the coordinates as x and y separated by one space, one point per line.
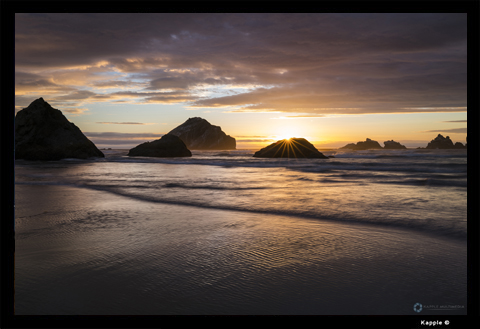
374 154
210 187
310 165
420 161
109 185
426 182
425 226
436 168
410 178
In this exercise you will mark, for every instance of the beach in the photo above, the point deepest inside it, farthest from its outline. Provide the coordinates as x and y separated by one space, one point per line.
85 251
209 163
217 164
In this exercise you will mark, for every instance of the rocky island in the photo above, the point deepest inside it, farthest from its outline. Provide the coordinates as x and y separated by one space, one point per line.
199 134
167 146
44 133
366 145
441 142
290 148
392 145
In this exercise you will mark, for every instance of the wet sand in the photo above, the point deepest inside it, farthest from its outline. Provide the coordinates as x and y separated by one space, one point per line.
81 251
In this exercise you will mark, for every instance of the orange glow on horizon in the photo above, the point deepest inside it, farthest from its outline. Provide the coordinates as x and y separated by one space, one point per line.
288 132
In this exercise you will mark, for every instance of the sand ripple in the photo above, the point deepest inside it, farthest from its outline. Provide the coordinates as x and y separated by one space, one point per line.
116 255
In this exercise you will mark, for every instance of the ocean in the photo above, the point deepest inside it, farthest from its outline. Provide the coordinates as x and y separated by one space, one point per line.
222 232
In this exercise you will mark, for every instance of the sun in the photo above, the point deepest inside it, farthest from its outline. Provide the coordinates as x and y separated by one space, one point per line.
288 133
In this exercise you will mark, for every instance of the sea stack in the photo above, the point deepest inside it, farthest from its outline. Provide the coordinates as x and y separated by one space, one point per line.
459 145
290 148
199 134
392 145
366 145
441 142
167 146
44 133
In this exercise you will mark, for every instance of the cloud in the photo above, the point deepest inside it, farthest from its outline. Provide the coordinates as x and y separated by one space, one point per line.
300 117
438 110
116 84
122 136
453 131
121 140
22 101
25 79
316 64
138 65
74 39
350 94
75 111
28 83
125 123
455 121
77 95
266 140
118 143
149 97
170 83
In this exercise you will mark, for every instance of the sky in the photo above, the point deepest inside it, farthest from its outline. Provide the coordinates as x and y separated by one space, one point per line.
333 79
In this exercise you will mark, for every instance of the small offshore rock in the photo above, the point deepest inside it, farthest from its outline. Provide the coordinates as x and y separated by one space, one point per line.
392 145
290 148
366 145
459 145
167 146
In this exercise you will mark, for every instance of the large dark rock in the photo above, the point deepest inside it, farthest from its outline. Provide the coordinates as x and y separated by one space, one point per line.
199 134
366 145
441 142
290 148
167 146
44 133
392 145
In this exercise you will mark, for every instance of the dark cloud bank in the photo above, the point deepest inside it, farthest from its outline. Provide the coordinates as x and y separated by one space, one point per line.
296 63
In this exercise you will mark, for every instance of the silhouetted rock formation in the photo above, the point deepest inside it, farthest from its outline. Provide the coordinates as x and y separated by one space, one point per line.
290 148
44 133
167 146
392 145
459 145
368 144
441 142
350 146
199 134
